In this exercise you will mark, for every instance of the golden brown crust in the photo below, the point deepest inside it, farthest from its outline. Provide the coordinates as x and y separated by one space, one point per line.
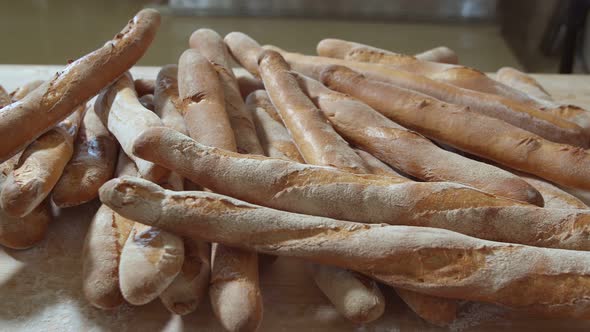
328 192
203 102
144 87
461 128
523 82
25 89
92 163
376 166
517 113
78 82
426 260
40 167
212 47
435 310
167 100
316 140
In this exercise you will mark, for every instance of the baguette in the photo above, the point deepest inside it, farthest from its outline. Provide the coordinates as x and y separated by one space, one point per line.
144 86
355 297
410 152
316 140
517 113
273 136
441 54
468 131
4 98
190 286
461 76
25 232
125 117
523 82
554 197
248 84
532 88
40 167
328 192
25 89
166 99
150 258
431 261
376 166
92 164
203 102
212 47
234 288
78 82
147 101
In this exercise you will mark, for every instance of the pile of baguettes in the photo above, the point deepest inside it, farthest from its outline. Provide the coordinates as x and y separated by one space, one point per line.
445 226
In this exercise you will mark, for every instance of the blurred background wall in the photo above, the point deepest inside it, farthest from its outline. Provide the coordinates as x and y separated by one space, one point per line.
486 34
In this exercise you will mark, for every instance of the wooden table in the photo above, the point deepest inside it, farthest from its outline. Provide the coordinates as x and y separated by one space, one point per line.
40 288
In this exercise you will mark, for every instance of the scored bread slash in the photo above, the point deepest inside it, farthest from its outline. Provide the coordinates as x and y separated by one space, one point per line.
76 84
40 167
92 164
409 151
325 191
121 112
432 261
466 130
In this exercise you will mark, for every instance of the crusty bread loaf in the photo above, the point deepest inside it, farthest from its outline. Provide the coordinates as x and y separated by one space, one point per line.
78 82
441 54
147 101
4 97
144 86
433 309
376 166
517 113
248 84
92 164
461 128
203 101
431 261
125 117
212 47
553 196
244 50
410 152
25 89
354 297
25 232
40 167
190 286
104 240
273 136
316 140
166 99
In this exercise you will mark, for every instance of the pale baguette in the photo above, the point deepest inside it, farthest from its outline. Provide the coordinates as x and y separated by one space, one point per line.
92 164
234 288
121 112
25 232
166 99
78 82
40 167
461 128
325 191
441 54
355 297
316 140
144 86
203 101
410 152
25 89
427 260
212 47
150 258
517 113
